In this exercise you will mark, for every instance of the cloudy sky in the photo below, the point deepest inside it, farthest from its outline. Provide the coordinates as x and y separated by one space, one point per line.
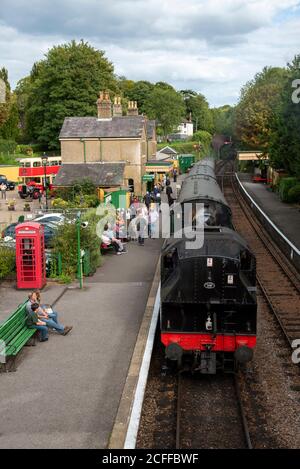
211 46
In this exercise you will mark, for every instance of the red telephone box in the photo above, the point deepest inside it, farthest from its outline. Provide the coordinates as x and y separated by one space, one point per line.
30 255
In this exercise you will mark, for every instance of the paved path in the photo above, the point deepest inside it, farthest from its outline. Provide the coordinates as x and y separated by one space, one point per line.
66 391
286 217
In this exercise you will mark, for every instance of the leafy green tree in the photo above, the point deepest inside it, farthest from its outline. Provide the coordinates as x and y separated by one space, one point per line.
223 119
284 148
167 107
197 106
65 84
4 107
139 91
257 106
8 111
22 93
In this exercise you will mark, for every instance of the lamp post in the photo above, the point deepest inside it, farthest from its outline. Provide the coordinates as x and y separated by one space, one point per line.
79 259
44 162
80 252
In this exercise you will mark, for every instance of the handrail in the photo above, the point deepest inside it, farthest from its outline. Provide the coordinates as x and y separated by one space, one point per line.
292 246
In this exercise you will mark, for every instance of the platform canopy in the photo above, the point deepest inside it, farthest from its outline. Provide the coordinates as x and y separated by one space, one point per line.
251 156
159 166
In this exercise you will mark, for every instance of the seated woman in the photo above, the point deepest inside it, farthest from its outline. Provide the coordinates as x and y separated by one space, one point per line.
108 238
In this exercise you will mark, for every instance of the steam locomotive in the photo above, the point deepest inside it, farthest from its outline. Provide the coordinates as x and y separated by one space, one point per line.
208 292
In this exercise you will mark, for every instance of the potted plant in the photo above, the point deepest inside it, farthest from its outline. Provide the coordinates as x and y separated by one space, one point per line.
26 207
12 204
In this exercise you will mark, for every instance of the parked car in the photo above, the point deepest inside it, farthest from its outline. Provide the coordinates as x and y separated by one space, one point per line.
9 231
50 230
10 184
51 217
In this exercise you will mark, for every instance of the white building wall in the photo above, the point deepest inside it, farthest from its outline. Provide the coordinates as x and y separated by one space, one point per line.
186 128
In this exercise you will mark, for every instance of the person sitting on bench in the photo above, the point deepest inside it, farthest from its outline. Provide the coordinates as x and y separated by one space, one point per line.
109 239
51 322
33 322
35 297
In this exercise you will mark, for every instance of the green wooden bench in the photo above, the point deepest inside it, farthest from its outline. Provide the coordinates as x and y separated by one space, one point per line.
15 333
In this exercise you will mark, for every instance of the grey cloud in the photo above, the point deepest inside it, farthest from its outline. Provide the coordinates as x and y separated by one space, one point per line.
127 21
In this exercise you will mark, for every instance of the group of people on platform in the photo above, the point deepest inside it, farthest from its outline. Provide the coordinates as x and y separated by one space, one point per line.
42 317
140 220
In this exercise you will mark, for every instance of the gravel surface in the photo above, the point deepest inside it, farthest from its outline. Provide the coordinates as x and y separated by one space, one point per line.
271 388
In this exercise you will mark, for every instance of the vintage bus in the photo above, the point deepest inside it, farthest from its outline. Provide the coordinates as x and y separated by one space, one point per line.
32 172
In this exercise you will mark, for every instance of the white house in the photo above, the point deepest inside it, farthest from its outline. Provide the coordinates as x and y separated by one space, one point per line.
186 128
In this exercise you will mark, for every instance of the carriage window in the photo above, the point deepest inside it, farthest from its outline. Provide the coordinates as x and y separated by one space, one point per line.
53 163
36 164
27 164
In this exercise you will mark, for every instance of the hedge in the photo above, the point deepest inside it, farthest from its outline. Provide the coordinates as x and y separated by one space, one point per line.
284 186
294 194
7 261
7 146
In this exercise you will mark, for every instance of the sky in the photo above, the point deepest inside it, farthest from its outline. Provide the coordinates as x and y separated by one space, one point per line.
211 46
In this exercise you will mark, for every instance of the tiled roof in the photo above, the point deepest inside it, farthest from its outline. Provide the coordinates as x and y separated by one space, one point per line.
91 127
101 174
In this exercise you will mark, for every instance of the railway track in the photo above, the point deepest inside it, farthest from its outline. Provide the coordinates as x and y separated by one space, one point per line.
278 280
210 414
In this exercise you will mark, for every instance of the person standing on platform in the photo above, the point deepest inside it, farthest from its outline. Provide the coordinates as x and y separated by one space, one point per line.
169 192
147 200
175 174
3 188
141 225
153 219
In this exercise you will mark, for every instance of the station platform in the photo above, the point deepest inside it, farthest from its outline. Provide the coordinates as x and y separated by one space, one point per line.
286 217
66 392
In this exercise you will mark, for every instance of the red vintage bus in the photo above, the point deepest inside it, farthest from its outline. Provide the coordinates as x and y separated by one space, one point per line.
32 172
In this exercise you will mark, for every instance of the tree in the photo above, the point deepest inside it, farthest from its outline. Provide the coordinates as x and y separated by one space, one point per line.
223 120
167 107
139 91
197 106
8 111
257 105
65 84
4 107
284 147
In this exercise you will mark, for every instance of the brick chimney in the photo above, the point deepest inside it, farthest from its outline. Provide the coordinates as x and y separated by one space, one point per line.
132 109
117 107
104 105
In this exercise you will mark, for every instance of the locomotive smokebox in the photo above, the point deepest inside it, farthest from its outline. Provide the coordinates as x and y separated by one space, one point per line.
243 354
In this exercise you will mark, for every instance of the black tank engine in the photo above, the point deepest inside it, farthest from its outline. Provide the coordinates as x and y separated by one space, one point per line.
208 294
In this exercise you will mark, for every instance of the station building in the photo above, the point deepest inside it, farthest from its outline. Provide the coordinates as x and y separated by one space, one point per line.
127 142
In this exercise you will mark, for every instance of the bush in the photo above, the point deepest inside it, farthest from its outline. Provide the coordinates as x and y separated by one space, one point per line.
294 194
80 201
284 186
65 242
7 146
7 261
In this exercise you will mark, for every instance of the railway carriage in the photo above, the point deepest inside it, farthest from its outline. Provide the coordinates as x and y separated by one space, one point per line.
208 294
